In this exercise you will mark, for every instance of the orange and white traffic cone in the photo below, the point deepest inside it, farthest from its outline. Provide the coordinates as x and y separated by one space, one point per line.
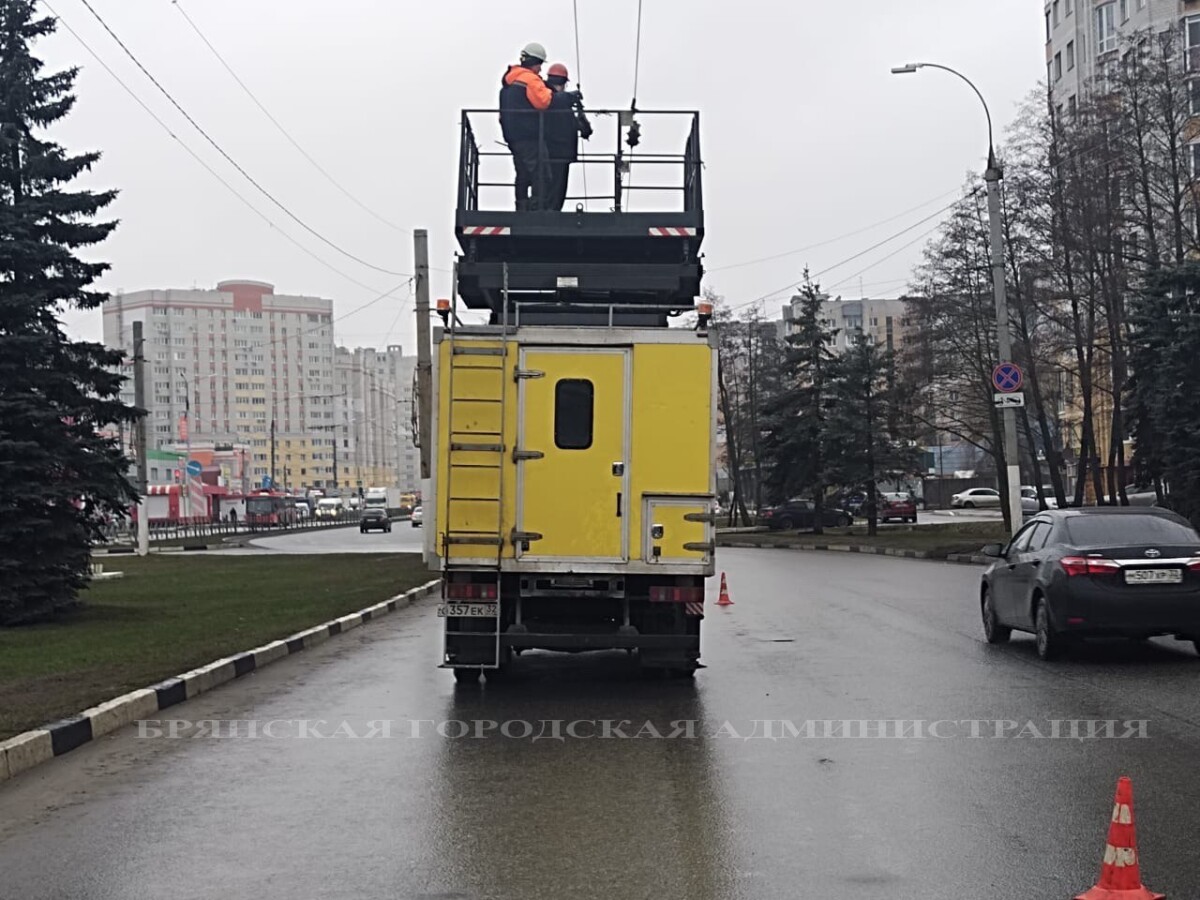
724 600
1120 872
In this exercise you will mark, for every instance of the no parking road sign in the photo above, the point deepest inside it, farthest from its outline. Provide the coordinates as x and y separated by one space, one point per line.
1007 378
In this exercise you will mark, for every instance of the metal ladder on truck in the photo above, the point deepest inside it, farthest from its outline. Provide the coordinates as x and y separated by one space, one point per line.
474 490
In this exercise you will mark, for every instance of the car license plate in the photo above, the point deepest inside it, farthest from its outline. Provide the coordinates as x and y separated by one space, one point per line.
1153 576
468 610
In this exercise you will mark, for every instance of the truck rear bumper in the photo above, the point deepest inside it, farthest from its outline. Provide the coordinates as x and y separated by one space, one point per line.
526 640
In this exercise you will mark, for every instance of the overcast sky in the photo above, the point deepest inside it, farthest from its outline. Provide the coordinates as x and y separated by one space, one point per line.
807 136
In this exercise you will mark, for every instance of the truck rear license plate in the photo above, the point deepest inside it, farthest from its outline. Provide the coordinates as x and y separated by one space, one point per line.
468 610
1153 576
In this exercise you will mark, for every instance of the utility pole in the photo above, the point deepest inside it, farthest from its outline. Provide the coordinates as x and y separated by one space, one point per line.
139 400
335 471
187 441
1012 460
272 452
424 350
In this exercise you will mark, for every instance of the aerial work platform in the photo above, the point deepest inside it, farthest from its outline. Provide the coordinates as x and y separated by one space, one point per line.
626 248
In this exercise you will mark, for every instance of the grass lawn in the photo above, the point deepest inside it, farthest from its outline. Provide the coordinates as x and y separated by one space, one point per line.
937 540
173 613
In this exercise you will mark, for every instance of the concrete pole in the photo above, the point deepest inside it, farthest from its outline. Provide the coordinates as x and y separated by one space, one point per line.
1012 461
139 400
424 349
187 476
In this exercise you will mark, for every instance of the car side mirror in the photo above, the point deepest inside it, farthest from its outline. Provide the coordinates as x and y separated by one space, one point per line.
996 551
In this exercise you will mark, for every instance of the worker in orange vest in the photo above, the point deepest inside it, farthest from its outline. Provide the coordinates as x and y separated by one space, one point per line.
523 96
566 122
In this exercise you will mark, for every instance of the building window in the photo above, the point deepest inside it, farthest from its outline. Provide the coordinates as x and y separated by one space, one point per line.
1191 32
1194 152
1057 18
1070 55
1124 10
574 399
1073 106
1194 96
1048 27
1058 70
1071 6
1106 28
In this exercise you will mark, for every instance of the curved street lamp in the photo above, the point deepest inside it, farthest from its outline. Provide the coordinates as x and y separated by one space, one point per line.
993 177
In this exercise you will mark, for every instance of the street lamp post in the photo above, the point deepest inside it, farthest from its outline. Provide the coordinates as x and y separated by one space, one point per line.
993 176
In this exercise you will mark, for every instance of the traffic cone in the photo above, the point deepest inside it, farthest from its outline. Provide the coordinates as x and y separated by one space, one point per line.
724 600
1120 872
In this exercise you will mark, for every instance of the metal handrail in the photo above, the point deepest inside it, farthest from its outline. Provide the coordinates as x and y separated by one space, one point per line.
623 160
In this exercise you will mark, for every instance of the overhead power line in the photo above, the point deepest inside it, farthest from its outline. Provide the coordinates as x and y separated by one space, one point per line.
834 240
266 112
858 255
262 190
579 86
199 159
637 56
891 255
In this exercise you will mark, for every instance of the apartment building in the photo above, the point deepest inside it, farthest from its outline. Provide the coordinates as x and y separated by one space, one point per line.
373 410
881 321
236 364
1083 41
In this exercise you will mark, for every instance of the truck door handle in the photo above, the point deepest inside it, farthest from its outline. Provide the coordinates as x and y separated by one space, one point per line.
618 504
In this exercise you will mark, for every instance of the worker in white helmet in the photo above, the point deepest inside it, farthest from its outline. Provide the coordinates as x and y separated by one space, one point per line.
523 96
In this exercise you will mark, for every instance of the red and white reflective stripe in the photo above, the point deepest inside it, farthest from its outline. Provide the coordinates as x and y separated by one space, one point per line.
672 232
693 609
486 229
161 490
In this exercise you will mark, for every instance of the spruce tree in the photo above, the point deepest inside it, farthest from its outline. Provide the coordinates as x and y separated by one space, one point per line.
869 427
59 474
1165 353
796 428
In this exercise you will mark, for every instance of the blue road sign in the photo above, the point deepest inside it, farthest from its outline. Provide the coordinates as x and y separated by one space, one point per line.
194 468
1007 378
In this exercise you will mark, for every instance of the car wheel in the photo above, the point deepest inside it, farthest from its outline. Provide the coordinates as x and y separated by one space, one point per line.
846 521
785 524
992 629
968 505
1196 646
1049 642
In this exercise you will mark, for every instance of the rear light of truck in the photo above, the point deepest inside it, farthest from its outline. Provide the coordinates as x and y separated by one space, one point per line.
1089 565
463 591
677 595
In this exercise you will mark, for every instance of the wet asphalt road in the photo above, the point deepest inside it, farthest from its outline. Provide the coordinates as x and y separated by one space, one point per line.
403 538
810 637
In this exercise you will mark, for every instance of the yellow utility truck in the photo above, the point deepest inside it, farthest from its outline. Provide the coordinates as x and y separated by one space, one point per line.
574 428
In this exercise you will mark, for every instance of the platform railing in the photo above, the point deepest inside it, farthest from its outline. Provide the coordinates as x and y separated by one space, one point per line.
619 166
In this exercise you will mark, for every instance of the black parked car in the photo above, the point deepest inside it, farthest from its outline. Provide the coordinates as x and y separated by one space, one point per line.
374 519
1103 571
798 515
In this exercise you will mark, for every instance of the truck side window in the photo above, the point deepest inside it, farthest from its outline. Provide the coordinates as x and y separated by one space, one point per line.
574 399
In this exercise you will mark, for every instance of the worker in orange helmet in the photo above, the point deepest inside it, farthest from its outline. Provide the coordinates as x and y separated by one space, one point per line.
523 95
566 122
